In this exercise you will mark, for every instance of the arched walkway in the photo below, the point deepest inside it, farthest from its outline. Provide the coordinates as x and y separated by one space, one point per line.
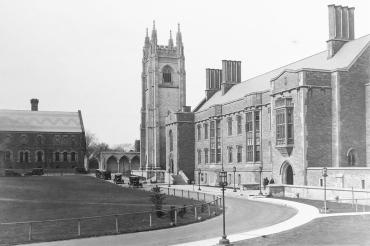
135 163
112 164
124 165
93 163
287 173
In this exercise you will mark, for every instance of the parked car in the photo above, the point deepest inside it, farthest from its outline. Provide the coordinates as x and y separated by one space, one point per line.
37 171
118 179
103 174
11 173
135 181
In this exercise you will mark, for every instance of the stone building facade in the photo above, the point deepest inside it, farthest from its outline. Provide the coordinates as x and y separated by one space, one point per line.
163 90
289 122
46 139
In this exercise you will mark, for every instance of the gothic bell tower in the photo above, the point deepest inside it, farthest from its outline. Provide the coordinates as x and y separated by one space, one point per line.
163 90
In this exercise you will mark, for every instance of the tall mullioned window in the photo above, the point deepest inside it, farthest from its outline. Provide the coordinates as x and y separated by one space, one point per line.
199 156
257 148
167 77
212 133
205 155
284 121
171 140
205 126
249 131
239 151
229 126
230 154
218 141
238 124
199 131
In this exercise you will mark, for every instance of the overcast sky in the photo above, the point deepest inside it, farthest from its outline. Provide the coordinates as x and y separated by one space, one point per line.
74 54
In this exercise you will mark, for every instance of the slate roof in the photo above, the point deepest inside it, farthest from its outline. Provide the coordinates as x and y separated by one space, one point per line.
40 121
343 59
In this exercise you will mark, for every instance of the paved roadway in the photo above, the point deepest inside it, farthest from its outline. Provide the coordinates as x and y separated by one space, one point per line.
241 215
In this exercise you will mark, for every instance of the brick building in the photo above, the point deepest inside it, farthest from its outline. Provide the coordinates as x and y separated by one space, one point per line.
289 122
47 139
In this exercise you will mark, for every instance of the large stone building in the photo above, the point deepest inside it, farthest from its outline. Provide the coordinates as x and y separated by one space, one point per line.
163 90
289 122
47 139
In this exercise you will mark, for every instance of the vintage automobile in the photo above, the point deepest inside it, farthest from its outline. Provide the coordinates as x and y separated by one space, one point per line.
118 179
135 181
103 174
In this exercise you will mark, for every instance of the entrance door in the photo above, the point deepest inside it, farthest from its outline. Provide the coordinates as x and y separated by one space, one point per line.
287 174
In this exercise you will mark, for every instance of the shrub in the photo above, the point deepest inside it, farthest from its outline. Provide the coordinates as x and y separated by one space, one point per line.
157 198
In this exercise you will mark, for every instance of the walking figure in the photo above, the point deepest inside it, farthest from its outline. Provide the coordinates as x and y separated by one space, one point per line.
265 182
272 181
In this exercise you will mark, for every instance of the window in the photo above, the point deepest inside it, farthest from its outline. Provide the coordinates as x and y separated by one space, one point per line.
321 182
212 129
249 131
284 121
218 141
199 132
57 139
205 131
206 156
8 155
199 156
212 141
39 140
65 140
363 184
21 156
230 154
167 78
257 136
39 156
57 156
239 179
239 150
230 126
171 140
65 156
351 157
73 156
24 139
26 156
239 124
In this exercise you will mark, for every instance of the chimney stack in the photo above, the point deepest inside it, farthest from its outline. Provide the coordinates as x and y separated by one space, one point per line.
213 81
341 27
34 104
231 74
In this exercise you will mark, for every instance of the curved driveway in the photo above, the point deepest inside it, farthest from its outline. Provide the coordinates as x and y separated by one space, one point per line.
241 215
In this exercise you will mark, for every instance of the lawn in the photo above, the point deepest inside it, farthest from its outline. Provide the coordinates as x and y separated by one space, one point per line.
338 230
39 198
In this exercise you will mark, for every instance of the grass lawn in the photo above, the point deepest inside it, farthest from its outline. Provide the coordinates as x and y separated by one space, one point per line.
338 230
61 197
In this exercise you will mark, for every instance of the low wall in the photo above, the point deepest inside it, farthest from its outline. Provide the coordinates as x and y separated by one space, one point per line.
341 177
317 193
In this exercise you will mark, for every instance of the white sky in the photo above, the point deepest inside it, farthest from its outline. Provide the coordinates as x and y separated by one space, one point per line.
74 54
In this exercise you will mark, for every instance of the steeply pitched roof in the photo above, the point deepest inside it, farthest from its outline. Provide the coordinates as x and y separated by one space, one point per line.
40 121
343 59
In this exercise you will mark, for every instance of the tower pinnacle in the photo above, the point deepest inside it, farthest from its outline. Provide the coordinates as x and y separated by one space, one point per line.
154 34
170 41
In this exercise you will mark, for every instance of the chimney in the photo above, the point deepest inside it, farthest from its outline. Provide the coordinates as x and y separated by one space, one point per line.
231 74
341 27
213 81
34 104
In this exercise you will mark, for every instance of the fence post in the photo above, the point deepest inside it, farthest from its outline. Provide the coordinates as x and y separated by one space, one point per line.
195 213
356 205
79 227
150 219
209 210
175 216
353 197
30 231
117 229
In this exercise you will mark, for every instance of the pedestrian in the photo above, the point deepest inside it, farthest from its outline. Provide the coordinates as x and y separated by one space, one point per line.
272 181
265 182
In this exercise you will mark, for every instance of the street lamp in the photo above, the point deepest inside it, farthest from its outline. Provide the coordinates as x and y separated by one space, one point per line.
199 172
234 170
260 170
223 183
325 174
169 180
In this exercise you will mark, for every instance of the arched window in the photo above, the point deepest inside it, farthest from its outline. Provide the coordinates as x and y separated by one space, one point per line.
167 74
171 140
8 155
73 156
26 156
39 156
21 156
65 156
351 157
39 140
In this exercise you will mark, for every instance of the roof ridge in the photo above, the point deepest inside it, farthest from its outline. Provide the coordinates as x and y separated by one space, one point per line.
41 111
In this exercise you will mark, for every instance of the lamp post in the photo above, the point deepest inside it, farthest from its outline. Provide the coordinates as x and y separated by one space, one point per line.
325 174
223 178
169 180
199 172
234 170
260 170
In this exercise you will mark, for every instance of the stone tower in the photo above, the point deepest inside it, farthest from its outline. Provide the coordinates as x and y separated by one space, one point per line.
163 90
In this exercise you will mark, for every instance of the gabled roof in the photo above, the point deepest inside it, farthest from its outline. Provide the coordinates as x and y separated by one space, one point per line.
40 121
343 59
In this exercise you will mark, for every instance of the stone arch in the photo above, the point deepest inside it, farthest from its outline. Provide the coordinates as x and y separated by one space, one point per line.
135 163
112 164
124 165
351 157
93 163
287 173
